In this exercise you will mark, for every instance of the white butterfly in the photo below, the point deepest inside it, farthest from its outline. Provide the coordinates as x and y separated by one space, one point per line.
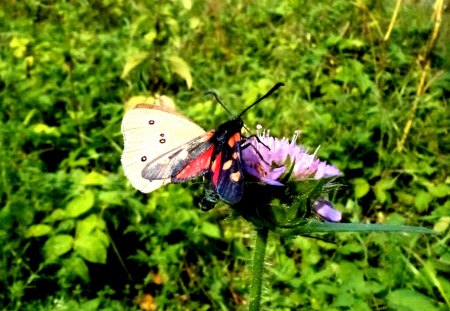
156 135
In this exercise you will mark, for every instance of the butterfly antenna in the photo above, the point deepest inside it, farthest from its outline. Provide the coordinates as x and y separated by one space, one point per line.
273 89
216 96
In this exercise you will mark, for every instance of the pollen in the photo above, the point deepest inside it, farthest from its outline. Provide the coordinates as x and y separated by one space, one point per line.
227 165
235 176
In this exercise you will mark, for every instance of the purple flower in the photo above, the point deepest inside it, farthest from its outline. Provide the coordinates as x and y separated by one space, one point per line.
266 158
325 210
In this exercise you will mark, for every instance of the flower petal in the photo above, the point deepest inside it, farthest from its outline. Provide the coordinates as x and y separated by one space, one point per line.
326 211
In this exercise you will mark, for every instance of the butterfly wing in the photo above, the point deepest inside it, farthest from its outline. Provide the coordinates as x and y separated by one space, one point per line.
149 132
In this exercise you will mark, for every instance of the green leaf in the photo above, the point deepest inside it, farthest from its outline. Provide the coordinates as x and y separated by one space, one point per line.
442 224
56 215
38 230
381 188
94 179
315 227
422 200
88 225
133 62
361 187
91 305
42 128
181 68
75 267
409 300
211 230
110 197
440 190
91 241
80 204
57 245
91 248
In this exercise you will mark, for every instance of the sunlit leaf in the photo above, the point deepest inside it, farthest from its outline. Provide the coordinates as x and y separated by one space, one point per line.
57 245
86 226
422 200
38 230
442 224
80 204
361 187
440 190
211 230
94 179
181 68
133 62
91 248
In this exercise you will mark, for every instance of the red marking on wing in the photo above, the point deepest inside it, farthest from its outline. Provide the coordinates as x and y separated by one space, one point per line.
233 139
197 165
216 169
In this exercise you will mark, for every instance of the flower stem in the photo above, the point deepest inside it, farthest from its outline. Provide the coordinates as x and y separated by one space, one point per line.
259 253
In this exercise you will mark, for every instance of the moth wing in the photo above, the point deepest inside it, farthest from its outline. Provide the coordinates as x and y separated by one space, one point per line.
183 163
150 131
227 172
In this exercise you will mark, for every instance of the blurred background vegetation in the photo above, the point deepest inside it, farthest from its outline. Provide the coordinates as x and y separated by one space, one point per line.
75 235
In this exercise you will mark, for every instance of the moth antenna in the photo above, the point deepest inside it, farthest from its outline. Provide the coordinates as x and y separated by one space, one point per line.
216 96
273 89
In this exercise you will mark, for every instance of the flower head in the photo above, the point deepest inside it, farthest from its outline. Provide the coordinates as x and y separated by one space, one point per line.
276 161
266 158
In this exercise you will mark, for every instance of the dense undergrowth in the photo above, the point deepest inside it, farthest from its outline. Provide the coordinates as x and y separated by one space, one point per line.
75 234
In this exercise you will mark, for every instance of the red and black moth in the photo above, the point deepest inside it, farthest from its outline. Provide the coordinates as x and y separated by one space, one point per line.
215 154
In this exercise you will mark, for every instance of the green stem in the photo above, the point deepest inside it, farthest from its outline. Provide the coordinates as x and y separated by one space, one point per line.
259 253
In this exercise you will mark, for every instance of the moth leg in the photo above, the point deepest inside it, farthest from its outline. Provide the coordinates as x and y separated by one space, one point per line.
257 152
210 198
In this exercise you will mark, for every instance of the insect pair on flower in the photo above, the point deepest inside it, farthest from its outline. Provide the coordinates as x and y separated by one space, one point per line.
164 147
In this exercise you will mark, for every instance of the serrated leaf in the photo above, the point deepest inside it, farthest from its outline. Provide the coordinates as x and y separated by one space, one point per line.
211 230
361 187
409 300
91 248
132 62
80 204
57 245
76 267
86 226
181 68
38 230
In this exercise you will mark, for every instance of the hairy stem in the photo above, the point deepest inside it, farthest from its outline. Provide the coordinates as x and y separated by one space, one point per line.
259 253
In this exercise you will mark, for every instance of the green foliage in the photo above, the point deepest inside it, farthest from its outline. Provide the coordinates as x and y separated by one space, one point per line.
75 235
